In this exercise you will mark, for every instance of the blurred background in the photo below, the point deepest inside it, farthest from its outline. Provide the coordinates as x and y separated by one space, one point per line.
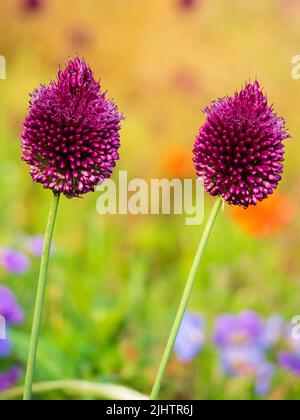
115 281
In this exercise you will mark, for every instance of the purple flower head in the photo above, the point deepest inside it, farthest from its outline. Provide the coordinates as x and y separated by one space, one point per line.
9 378
243 329
5 348
290 361
13 261
71 136
239 150
35 246
248 362
190 339
9 307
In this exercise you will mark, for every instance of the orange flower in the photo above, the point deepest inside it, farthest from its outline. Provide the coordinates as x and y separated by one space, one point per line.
178 163
266 218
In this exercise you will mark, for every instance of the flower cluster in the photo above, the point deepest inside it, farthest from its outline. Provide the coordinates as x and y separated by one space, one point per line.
12 314
239 150
245 343
71 136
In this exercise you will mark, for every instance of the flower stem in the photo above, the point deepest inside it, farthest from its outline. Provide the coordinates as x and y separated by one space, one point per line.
40 297
184 301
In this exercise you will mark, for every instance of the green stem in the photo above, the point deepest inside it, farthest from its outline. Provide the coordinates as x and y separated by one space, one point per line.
184 301
40 297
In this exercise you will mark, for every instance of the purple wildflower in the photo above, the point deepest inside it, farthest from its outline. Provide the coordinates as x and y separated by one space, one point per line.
239 150
190 339
35 246
250 362
9 307
5 348
290 361
241 360
238 330
290 357
9 378
71 136
13 261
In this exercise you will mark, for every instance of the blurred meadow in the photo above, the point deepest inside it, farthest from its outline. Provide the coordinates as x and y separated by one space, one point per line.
115 281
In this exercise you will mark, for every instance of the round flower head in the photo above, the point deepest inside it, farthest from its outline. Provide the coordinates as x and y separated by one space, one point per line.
239 150
71 136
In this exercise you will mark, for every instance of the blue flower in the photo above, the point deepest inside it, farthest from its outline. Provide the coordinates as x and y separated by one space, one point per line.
190 339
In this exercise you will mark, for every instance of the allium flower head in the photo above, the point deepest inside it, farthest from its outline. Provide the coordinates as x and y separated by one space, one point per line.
71 136
239 149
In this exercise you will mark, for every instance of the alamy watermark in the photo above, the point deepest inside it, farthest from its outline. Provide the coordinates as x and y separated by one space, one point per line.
154 197
2 67
296 67
296 327
2 328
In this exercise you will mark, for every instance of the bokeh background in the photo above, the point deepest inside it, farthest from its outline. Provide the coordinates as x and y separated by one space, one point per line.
115 281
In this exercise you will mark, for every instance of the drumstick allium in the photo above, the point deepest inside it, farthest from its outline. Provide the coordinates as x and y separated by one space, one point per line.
239 150
70 141
71 135
238 155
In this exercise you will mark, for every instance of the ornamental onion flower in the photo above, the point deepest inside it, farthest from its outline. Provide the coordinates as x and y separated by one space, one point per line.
71 136
238 154
239 150
70 141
